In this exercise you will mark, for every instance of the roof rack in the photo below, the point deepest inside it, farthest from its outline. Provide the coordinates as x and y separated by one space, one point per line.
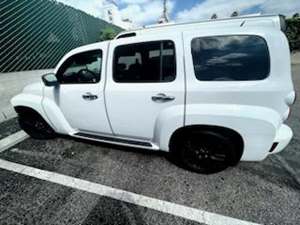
275 21
126 35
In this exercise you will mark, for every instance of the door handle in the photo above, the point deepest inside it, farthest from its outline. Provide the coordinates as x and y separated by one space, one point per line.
89 96
161 97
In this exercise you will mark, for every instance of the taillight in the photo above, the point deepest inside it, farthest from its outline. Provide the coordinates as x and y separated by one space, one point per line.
290 98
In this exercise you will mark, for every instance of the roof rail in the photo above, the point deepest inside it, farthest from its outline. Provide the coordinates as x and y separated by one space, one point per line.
278 19
126 35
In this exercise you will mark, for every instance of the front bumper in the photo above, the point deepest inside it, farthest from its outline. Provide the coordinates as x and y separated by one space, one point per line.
283 138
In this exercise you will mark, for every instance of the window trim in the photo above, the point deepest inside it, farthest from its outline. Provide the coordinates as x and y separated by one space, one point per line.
78 53
144 42
230 35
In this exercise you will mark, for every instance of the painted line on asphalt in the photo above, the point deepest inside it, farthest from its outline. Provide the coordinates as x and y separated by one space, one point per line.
288 168
182 211
12 140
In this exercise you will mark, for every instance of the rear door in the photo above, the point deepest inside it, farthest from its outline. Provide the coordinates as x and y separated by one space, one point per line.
145 79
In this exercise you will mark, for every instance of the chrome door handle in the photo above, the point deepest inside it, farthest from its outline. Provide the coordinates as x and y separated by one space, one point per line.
162 98
89 96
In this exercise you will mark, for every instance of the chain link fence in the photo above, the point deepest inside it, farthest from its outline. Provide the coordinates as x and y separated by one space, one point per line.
35 34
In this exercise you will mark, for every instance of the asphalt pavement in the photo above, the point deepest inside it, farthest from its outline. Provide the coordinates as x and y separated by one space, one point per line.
265 192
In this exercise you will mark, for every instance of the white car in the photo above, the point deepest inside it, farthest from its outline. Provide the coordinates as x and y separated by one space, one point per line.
211 93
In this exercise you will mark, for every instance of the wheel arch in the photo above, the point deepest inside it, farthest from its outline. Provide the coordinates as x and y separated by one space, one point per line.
30 102
225 131
23 109
26 109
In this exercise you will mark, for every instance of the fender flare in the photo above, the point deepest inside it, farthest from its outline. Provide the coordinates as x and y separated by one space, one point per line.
255 124
33 102
54 117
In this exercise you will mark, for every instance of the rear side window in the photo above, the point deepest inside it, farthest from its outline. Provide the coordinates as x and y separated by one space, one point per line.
145 62
230 58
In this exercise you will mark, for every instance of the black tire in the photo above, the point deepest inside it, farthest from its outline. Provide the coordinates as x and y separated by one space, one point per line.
35 126
203 151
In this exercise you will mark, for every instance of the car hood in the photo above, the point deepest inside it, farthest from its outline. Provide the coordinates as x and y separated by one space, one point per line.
35 88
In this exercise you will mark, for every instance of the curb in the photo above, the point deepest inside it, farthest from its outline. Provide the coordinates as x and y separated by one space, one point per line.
7 115
12 140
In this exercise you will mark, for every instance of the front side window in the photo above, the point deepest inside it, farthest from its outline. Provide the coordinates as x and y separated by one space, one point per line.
145 62
230 58
81 68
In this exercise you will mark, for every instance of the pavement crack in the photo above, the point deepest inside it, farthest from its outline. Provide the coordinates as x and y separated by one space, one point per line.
5 117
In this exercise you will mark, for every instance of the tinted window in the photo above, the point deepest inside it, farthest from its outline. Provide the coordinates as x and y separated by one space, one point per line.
226 58
81 68
145 62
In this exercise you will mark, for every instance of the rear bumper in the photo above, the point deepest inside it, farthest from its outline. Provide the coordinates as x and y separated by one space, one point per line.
283 138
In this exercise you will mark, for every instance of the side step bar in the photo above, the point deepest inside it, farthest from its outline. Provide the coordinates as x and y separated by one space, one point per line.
116 140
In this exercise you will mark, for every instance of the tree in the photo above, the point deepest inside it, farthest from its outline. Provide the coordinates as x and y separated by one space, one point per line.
108 33
234 14
296 15
214 16
293 33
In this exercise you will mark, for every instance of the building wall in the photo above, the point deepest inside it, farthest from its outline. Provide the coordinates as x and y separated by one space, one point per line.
35 34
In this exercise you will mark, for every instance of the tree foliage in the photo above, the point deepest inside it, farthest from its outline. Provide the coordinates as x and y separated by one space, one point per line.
108 33
214 16
293 32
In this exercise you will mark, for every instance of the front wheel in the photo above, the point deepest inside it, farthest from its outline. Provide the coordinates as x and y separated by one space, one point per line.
204 151
35 126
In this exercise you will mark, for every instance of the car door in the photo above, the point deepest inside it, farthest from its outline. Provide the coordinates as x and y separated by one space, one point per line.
145 80
80 93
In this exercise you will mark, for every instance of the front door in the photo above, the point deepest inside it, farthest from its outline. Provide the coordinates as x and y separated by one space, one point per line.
145 84
80 93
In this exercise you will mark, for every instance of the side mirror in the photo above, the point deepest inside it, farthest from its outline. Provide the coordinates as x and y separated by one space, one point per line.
50 80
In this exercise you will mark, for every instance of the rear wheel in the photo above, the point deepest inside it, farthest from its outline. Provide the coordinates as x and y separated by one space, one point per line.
204 151
35 126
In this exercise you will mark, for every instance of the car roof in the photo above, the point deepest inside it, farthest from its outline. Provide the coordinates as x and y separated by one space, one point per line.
241 21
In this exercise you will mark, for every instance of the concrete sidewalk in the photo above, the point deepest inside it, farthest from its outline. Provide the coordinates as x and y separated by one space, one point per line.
12 84
295 58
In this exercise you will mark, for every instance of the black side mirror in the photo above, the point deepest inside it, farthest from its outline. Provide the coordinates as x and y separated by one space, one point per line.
50 80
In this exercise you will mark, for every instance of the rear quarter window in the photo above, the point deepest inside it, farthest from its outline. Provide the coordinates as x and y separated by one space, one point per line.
230 58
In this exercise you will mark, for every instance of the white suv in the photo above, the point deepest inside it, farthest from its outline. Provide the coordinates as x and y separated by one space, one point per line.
211 93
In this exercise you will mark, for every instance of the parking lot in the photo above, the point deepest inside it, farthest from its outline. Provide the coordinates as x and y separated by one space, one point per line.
266 193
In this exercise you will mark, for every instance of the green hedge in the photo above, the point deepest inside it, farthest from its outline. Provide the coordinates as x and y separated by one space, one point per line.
293 33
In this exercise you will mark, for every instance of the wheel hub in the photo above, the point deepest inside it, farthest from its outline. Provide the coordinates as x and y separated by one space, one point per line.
203 153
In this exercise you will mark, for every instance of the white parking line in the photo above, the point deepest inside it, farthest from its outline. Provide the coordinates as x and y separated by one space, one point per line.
189 213
12 140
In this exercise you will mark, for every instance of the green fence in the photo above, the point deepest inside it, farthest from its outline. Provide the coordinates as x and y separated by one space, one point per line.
35 34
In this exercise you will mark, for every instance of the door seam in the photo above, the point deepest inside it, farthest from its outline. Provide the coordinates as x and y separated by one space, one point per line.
104 89
185 80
